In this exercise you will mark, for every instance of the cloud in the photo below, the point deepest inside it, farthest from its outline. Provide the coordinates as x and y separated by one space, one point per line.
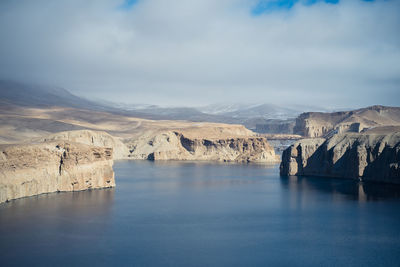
204 51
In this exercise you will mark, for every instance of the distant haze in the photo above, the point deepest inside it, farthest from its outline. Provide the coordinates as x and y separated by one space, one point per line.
184 53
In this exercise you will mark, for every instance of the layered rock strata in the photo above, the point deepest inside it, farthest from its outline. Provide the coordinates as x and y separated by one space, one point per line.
174 145
94 138
27 170
374 157
319 124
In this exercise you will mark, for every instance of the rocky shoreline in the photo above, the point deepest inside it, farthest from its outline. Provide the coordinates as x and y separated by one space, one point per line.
83 159
361 156
33 169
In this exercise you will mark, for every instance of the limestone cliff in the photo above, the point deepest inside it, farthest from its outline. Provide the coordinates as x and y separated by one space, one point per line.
374 157
32 169
175 145
319 124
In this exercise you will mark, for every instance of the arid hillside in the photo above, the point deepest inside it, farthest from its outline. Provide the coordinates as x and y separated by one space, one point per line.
135 138
18 124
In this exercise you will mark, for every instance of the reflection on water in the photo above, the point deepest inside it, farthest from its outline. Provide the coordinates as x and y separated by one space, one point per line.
81 203
202 214
339 188
36 229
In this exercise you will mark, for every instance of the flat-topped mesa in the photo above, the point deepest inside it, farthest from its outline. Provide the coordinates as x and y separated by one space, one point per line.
33 169
176 145
320 124
374 157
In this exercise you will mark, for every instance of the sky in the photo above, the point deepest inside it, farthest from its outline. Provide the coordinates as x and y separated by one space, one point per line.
334 53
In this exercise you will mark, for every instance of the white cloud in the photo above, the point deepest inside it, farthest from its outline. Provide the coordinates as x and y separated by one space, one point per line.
203 51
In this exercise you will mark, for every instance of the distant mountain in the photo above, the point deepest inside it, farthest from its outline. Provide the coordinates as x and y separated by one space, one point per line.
266 111
33 95
262 118
265 118
223 108
30 95
260 110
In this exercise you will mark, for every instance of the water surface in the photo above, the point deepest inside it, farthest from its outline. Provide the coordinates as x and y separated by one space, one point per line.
202 214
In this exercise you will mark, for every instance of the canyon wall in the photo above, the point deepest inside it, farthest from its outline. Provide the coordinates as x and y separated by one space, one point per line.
320 124
175 145
374 157
33 169
94 138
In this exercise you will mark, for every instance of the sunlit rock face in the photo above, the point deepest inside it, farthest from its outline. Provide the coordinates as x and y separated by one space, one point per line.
32 169
374 157
174 145
94 138
319 124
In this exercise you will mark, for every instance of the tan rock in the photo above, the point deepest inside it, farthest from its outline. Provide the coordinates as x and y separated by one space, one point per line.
319 124
130 136
27 170
374 157
174 145
94 138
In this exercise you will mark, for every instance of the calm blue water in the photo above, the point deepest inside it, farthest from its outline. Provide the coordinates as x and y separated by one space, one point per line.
202 214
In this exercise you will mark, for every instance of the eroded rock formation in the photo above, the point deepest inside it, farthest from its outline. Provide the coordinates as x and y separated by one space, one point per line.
319 124
27 170
374 157
175 145
94 138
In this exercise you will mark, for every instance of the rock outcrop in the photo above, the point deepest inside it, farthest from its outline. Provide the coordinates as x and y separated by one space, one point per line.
175 145
94 138
32 169
374 157
319 124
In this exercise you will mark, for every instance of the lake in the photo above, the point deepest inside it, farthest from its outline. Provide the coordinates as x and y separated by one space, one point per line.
205 214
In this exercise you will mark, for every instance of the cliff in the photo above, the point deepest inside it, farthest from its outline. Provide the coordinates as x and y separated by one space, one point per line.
374 157
32 169
214 143
94 138
176 145
319 124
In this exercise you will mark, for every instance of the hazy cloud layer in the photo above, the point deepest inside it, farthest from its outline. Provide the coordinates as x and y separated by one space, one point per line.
205 51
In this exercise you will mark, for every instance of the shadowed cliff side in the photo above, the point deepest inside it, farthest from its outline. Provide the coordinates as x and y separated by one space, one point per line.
374 157
32 169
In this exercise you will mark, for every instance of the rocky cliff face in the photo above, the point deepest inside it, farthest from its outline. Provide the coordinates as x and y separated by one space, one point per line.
316 124
174 145
374 157
319 124
94 138
27 170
